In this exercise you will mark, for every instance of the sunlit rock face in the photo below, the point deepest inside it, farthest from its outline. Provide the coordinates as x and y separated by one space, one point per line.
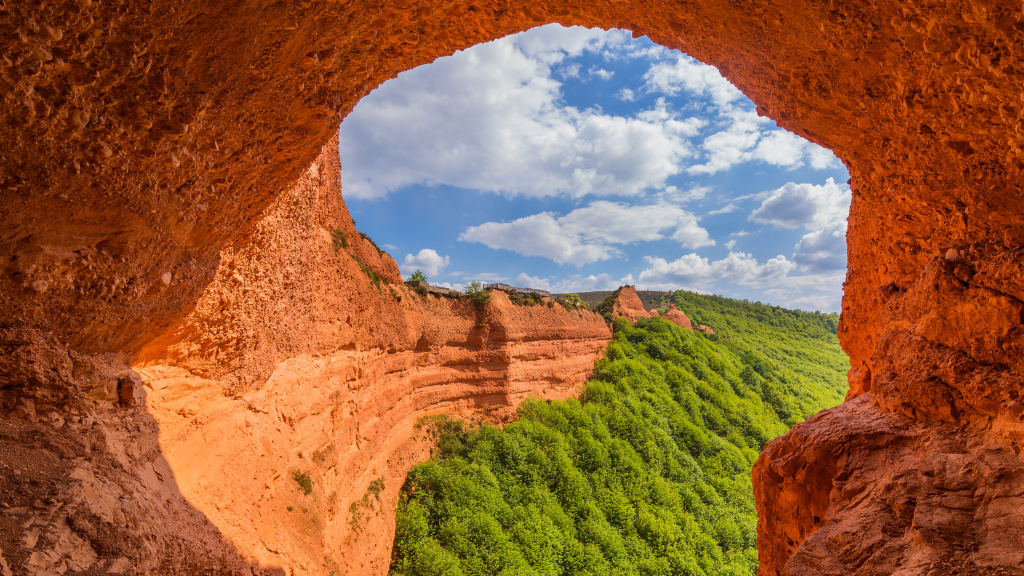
152 152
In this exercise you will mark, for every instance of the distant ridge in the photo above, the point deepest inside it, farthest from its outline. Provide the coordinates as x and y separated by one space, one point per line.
652 299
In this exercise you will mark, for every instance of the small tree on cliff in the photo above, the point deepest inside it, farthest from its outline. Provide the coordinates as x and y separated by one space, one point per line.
476 292
574 300
418 276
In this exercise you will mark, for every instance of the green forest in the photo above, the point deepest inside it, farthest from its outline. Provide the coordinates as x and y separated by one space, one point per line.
647 474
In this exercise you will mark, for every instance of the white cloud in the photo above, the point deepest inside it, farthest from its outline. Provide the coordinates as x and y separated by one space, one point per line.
569 71
538 235
390 246
552 43
780 148
456 286
772 279
730 207
492 118
591 283
810 291
809 205
585 235
813 302
822 158
686 73
524 280
737 268
651 52
730 244
428 260
822 250
741 136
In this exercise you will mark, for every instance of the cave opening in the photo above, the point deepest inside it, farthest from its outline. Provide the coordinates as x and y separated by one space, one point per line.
577 160
150 149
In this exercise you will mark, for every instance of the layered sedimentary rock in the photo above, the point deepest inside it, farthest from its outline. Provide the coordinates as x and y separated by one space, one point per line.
305 358
145 144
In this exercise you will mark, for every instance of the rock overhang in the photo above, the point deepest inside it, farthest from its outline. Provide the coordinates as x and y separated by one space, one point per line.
145 139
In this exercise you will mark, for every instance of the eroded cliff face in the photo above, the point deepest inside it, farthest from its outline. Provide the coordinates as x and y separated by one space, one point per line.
628 305
146 144
295 360
678 317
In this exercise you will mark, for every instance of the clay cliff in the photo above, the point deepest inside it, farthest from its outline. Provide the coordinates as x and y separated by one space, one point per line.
149 148
306 355
628 305
678 317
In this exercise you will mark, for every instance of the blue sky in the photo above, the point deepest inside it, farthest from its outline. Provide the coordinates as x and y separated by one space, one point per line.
575 160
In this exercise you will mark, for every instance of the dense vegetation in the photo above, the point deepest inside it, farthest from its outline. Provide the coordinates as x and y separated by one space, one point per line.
647 474
803 344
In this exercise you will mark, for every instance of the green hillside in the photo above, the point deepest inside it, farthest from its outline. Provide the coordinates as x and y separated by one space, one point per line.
647 474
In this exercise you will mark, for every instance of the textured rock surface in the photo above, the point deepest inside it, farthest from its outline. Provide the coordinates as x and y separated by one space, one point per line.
145 143
292 361
677 317
860 489
628 305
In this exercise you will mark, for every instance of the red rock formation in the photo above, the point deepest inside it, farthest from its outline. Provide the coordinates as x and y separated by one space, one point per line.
872 489
146 143
677 317
628 305
293 360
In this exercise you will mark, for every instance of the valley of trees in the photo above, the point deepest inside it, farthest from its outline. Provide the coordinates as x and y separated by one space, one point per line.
648 474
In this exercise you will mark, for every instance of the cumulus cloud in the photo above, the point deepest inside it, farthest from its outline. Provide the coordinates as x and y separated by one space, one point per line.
809 205
570 71
586 235
524 280
822 291
574 283
740 135
428 260
538 235
553 43
822 250
492 118
456 286
686 73
736 268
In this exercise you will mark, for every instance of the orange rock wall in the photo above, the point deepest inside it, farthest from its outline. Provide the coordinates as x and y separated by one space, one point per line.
628 305
678 317
145 143
291 361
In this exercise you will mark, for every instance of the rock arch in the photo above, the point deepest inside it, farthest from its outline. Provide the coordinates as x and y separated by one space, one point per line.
143 139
